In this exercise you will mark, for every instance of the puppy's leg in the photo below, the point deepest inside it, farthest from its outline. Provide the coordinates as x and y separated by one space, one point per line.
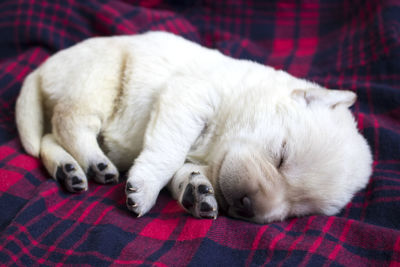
62 166
194 191
77 133
178 117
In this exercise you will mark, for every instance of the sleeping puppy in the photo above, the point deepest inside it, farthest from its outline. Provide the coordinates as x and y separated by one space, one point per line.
221 133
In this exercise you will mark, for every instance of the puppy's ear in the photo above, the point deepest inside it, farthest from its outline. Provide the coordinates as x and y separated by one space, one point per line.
331 98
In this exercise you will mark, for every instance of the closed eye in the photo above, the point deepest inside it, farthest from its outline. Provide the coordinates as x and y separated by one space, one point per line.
281 162
282 156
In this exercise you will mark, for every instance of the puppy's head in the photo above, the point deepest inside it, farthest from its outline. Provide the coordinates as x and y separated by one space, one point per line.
306 157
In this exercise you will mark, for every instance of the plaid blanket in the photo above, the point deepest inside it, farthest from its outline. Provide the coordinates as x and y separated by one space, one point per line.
353 45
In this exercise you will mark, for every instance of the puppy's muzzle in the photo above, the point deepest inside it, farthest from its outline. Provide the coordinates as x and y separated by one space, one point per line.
237 185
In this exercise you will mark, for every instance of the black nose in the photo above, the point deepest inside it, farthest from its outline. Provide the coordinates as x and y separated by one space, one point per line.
243 207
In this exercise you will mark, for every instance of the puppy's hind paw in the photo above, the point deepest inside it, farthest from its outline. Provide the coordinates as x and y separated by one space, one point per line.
103 172
198 197
72 177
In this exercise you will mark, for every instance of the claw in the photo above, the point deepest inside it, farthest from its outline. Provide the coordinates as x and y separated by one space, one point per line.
131 188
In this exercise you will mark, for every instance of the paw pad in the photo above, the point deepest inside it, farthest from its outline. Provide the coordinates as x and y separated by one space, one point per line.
109 177
103 173
76 180
131 203
204 189
204 206
71 177
188 197
101 166
198 197
69 167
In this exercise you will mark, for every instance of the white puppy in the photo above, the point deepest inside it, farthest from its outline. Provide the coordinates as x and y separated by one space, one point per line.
261 142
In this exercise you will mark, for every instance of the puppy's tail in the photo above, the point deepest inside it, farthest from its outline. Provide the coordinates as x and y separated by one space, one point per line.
29 114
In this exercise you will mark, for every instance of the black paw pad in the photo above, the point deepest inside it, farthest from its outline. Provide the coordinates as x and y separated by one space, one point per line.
208 217
76 180
60 174
188 197
69 167
131 202
101 166
204 206
204 189
71 178
135 214
109 177
78 189
103 173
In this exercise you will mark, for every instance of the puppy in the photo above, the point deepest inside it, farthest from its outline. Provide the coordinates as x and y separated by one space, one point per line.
221 133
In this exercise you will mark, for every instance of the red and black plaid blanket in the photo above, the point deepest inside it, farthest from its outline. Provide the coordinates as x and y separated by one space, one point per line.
353 45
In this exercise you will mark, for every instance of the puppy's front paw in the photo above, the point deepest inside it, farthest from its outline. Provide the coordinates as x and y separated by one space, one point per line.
72 177
198 197
103 172
140 197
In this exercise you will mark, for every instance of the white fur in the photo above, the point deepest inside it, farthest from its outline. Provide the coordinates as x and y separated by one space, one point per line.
158 100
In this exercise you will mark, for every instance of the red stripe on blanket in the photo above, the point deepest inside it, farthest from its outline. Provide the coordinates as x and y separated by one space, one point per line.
159 229
195 228
5 151
25 162
8 179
